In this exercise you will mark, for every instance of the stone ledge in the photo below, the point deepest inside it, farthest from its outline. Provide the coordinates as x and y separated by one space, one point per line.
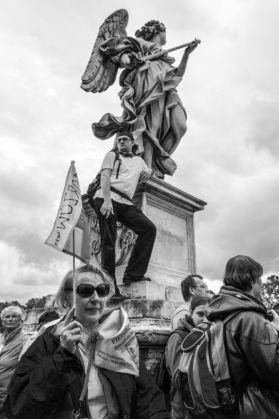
149 290
151 309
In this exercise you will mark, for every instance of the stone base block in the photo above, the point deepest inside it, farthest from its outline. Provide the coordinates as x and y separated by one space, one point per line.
174 294
149 290
150 309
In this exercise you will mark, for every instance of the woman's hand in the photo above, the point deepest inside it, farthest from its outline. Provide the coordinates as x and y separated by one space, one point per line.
70 332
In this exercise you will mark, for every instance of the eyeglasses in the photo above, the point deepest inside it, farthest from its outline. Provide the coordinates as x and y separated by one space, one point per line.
123 138
87 290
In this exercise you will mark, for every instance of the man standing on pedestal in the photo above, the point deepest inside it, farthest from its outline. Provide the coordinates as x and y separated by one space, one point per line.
121 171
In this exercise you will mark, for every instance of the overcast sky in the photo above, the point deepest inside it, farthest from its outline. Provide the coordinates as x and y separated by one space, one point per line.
228 157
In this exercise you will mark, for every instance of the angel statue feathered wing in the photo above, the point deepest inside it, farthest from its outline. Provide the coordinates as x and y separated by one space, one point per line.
152 109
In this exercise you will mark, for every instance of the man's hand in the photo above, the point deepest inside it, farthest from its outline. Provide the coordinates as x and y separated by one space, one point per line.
145 175
107 209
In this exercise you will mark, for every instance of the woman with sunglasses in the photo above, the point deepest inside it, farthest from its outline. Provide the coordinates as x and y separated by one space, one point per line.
87 366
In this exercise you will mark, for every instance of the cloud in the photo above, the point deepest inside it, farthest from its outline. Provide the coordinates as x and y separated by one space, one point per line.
228 157
264 125
22 281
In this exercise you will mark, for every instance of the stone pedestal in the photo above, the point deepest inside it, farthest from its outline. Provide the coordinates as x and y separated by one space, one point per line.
151 304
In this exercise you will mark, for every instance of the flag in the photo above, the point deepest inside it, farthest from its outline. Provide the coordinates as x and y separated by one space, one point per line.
69 212
82 243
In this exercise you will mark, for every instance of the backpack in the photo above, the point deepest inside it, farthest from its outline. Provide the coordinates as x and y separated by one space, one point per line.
96 182
204 379
161 375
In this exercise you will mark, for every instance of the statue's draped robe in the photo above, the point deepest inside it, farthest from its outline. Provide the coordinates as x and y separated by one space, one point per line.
148 97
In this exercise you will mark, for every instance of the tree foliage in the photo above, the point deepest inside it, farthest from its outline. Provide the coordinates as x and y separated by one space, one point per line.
36 303
271 291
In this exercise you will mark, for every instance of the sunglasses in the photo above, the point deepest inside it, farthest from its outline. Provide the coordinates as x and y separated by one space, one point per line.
87 290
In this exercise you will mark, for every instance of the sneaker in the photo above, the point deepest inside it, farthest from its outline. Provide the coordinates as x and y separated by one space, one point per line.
127 280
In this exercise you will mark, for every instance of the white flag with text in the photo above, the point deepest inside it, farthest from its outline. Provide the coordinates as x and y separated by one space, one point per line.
68 213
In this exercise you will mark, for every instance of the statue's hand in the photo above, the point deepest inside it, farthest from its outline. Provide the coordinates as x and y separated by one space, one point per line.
135 59
125 61
192 47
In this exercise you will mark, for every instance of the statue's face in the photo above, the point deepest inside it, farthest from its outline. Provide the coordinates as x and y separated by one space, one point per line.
163 38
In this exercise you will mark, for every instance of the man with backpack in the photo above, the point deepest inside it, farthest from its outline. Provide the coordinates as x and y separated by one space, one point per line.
198 311
121 171
231 368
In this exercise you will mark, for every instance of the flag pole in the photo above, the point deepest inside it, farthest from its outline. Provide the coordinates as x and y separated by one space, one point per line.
74 276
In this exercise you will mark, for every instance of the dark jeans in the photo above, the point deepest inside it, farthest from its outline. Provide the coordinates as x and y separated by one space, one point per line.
134 219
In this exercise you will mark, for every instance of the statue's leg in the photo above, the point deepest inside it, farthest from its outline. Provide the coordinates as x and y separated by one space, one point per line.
148 151
153 121
178 128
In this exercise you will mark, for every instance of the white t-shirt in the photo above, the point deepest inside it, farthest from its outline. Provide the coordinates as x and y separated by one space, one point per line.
128 177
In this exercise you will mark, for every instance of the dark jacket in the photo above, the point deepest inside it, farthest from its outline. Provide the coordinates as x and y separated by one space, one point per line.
252 351
11 345
172 354
49 379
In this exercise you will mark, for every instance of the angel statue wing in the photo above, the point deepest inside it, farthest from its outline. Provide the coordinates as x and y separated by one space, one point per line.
100 72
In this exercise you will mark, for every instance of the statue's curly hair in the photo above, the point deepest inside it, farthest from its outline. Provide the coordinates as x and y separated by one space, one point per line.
150 29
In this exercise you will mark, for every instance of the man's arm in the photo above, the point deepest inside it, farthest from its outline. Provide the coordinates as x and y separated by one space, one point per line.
146 173
106 208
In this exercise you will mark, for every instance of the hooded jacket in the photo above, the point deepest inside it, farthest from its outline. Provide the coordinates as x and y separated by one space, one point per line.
49 379
253 353
172 355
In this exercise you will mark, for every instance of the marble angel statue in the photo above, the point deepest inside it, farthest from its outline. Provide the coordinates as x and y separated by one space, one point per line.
152 109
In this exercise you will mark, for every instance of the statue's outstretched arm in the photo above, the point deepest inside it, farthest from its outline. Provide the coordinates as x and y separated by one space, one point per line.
183 63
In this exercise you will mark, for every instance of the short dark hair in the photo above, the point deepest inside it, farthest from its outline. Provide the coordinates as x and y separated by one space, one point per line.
242 272
187 283
125 134
198 301
48 316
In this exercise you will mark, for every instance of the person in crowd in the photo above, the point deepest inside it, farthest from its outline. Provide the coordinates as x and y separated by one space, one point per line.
93 352
47 317
190 286
198 312
11 342
251 336
113 202
63 300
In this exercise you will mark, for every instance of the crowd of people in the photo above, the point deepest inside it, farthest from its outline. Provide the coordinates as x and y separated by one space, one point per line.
87 363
